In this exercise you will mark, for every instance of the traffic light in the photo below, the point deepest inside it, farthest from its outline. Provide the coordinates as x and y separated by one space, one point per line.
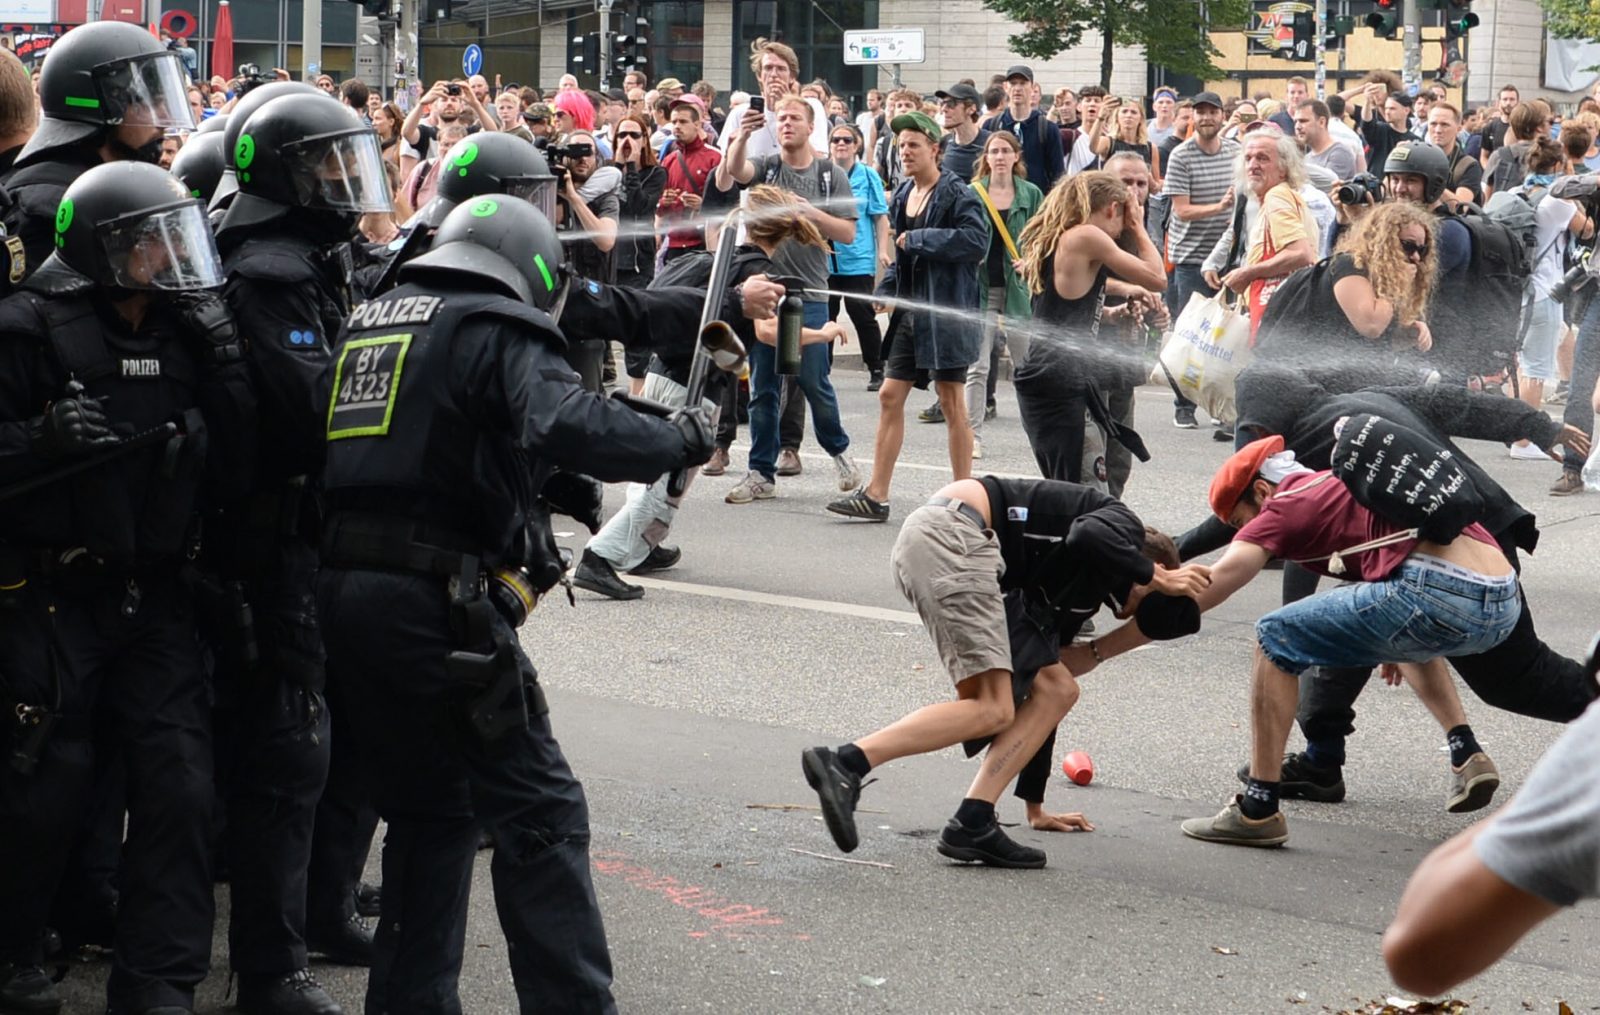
1305 35
1385 21
377 8
433 10
587 56
639 47
622 52
1459 21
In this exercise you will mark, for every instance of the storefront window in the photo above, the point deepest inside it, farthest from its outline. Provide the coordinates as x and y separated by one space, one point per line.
676 33
815 30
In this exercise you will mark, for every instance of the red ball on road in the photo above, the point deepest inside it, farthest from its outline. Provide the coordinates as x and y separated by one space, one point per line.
1077 767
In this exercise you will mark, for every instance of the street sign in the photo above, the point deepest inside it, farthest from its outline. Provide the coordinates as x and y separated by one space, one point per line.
1272 27
472 60
892 45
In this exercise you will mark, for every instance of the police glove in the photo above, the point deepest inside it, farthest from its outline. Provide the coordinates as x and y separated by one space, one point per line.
699 439
74 425
575 495
209 322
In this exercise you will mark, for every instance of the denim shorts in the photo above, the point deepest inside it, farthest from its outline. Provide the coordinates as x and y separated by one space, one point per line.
1421 612
1539 345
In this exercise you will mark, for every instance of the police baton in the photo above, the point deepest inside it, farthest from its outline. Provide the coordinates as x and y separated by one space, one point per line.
148 438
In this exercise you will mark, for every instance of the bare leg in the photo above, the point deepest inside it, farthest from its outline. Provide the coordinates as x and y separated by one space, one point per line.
1532 393
1435 689
891 435
983 709
953 400
1054 693
1274 695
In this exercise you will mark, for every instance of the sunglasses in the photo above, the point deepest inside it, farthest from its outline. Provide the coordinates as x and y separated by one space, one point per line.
843 140
1413 249
628 133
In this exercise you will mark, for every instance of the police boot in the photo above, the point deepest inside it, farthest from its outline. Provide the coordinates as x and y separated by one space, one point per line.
343 944
369 900
294 994
26 990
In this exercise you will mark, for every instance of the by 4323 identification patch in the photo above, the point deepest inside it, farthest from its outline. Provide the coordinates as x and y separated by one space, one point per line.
366 380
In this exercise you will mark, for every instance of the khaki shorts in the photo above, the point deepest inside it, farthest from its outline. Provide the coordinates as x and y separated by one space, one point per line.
950 570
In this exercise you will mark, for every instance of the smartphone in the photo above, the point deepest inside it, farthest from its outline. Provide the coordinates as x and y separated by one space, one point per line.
758 104
1247 117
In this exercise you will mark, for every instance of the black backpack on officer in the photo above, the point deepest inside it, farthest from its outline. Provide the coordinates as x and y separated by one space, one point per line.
1490 306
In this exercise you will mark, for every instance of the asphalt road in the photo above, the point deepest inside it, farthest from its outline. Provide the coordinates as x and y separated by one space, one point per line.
685 713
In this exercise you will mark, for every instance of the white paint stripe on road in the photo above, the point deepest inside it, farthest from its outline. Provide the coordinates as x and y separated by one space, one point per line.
902 464
790 602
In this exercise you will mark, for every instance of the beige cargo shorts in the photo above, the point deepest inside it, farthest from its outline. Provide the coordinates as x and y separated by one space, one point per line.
949 568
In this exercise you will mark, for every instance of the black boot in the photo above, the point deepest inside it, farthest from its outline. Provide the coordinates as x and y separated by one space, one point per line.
369 900
294 994
875 379
661 558
343 944
596 574
26 990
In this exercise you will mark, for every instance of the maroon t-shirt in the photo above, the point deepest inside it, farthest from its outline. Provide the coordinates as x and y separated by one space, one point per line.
1307 523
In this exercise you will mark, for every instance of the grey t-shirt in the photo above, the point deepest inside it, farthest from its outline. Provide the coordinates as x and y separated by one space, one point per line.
797 259
1337 159
1547 840
959 159
1204 179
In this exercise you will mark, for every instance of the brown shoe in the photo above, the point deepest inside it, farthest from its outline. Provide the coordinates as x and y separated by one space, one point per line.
788 463
1472 785
1571 482
717 465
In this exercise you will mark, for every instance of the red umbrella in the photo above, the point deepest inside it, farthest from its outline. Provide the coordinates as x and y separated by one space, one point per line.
222 43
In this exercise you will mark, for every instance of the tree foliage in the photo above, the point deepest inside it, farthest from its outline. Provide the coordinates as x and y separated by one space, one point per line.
1172 33
1572 19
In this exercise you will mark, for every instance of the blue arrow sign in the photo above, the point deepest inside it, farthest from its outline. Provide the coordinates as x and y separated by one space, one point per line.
471 60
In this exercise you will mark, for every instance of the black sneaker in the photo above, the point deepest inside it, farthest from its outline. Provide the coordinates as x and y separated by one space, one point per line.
1183 418
990 410
296 993
596 574
838 789
660 558
988 845
346 943
875 380
1222 433
1302 780
28 990
859 505
932 414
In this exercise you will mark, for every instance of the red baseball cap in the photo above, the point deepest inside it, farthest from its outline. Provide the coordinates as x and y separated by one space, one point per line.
1228 486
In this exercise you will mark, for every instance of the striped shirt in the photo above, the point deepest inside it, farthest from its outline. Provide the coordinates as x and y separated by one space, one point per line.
1204 178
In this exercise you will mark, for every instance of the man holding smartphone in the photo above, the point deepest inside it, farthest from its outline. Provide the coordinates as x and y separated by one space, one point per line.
778 69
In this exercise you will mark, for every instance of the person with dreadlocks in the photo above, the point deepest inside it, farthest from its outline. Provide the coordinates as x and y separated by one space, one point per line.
1088 239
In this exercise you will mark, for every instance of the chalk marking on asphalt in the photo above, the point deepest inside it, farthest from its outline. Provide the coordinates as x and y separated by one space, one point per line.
791 602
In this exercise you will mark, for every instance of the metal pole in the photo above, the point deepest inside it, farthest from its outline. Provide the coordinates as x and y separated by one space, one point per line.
1344 44
605 44
311 40
1322 48
406 69
1411 69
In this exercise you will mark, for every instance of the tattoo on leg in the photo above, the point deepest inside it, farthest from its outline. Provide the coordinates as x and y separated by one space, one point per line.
997 763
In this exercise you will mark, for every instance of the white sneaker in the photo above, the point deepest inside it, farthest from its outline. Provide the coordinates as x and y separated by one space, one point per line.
977 448
754 486
1528 453
849 475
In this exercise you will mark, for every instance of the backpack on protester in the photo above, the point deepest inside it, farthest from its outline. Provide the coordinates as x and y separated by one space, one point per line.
1292 309
1498 273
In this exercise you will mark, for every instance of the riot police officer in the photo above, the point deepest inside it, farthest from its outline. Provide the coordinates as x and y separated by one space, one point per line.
104 373
109 91
306 168
449 405
201 161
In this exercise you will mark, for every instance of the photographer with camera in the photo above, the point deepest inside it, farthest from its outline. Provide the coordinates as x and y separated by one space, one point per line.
589 205
1579 411
446 103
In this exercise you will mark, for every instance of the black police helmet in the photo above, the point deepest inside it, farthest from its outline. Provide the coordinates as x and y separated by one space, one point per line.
1418 158
499 239
491 163
248 103
303 152
103 74
131 226
213 124
198 164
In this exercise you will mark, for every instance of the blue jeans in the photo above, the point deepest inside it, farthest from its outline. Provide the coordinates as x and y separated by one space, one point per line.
1187 280
1415 615
766 385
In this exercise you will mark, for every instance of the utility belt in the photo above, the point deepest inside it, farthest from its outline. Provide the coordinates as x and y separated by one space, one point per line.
501 696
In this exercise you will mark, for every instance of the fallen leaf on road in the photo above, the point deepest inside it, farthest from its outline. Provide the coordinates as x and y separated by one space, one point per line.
1224 951
716 866
872 981
1297 998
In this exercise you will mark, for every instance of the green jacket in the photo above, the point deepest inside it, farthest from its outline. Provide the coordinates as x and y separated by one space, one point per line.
1024 203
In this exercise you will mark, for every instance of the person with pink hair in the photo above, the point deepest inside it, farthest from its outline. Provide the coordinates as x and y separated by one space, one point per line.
574 111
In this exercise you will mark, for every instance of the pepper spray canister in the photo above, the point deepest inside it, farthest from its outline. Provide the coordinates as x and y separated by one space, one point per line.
791 318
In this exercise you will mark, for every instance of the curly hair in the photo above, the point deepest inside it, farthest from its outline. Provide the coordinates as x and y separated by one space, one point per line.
1374 246
1070 203
773 215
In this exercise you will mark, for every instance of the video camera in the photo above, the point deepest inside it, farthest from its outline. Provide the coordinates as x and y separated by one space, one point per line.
1585 191
250 75
558 154
1359 188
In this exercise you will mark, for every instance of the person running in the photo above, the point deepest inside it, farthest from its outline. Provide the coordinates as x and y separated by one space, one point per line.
1003 573
1409 603
1080 238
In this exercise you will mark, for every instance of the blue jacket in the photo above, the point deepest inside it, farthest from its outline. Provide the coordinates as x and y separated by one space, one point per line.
948 252
1042 151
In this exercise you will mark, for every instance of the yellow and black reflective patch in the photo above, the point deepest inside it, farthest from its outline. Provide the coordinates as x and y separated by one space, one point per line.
366 380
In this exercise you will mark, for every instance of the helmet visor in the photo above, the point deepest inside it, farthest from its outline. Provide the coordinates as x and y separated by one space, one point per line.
343 172
539 191
150 91
171 249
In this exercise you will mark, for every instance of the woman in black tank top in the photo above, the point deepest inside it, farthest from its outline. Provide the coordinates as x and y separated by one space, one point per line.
1070 254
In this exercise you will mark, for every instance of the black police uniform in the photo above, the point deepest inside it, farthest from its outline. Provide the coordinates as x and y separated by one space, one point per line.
450 407
96 622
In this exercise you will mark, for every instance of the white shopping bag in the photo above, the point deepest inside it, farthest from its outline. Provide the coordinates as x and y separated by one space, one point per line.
1208 348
